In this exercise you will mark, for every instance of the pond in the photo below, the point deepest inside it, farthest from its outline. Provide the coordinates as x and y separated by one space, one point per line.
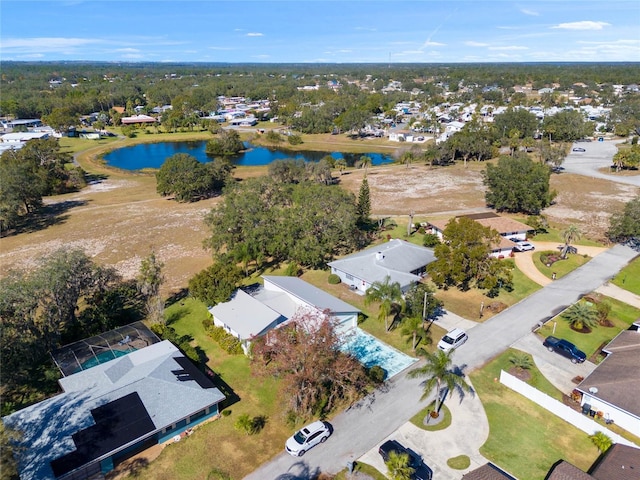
153 155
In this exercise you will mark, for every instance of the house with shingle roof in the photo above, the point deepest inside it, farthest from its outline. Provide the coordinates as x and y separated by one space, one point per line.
619 462
508 229
252 313
401 261
613 387
110 412
488 471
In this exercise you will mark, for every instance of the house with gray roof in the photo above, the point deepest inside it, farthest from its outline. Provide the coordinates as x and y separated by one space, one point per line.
112 411
613 388
619 462
253 312
401 261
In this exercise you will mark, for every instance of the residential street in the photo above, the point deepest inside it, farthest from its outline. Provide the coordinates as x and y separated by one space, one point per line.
365 425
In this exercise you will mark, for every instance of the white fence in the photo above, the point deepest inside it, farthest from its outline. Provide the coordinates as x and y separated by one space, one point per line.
566 413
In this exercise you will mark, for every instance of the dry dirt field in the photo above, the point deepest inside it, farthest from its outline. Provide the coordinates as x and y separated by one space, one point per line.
121 219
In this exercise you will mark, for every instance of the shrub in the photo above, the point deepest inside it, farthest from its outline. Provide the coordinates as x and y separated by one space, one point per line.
292 270
225 413
549 258
377 374
430 240
295 139
227 342
334 279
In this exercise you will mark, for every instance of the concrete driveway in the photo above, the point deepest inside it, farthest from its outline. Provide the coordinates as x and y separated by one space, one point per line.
557 369
597 155
468 431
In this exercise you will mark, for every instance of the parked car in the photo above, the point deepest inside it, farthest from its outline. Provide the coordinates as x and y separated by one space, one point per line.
453 339
420 470
524 247
307 437
578 149
565 348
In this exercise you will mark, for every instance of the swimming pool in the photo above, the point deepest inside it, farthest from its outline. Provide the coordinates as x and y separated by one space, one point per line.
103 357
370 351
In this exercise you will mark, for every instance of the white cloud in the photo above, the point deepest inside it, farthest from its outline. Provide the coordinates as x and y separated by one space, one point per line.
471 43
511 47
584 25
531 13
255 34
429 43
48 43
127 50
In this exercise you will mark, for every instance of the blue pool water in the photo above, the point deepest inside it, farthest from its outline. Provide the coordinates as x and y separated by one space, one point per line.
104 357
370 351
153 155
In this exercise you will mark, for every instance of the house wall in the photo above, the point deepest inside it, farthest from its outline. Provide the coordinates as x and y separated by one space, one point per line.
504 252
629 422
566 413
354 282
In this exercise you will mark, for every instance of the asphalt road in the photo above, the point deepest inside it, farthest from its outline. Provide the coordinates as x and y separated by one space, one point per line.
597 155
360 428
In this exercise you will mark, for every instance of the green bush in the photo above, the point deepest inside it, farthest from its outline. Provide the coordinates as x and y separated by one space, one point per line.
295 140
430 240
227 342
377 374
292 270
334 279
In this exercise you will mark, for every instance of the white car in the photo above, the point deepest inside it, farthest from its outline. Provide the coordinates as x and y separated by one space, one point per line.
307 437
453 339
524 247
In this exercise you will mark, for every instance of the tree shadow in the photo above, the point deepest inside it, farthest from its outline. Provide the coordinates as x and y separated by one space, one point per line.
47 216
300 471
231 396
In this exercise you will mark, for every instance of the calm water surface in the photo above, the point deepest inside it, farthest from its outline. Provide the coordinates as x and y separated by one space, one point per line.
153 155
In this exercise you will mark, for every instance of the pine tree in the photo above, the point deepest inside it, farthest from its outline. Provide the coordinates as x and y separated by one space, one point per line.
363 208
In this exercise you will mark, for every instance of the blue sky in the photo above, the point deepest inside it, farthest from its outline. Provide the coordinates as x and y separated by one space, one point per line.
331 31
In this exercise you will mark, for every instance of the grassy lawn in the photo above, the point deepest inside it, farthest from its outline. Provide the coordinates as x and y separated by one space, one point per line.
218 444
561 267
524 438
418 418
629 277
362 468
467 304
622 315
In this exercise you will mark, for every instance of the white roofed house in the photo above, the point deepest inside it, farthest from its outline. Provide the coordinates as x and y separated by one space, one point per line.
252 313
401 261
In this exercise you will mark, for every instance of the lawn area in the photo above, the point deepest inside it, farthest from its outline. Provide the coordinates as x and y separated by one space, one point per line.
218 444
629 277
467 304
561 267
622 315
524 438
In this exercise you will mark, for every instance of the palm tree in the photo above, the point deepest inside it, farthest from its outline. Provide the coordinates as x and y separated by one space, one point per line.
571 234
388 294
364 162
398 466
341 164
413 327
521 361
438 371
581 316
601 440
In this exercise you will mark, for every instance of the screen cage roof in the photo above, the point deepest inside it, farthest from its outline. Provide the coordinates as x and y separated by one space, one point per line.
102 348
